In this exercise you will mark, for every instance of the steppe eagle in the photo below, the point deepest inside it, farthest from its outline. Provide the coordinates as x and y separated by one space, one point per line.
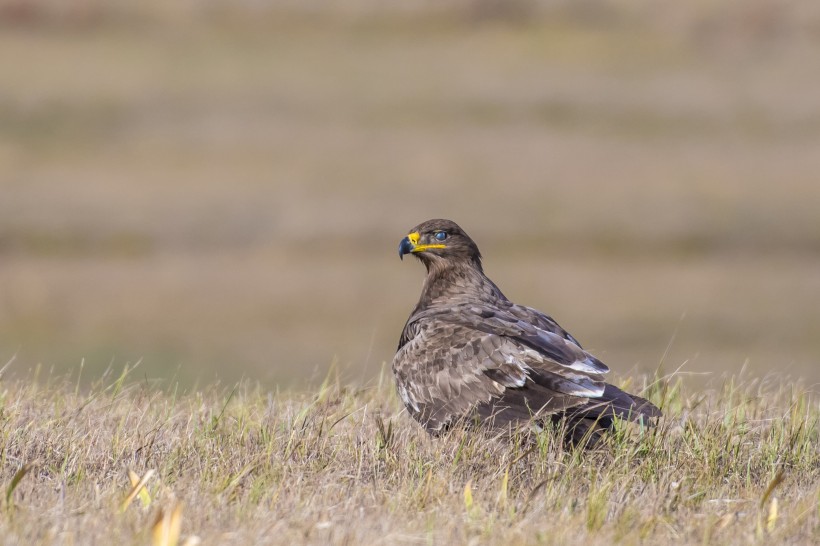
469 353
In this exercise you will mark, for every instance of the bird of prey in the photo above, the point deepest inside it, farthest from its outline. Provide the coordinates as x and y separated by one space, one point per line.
467 353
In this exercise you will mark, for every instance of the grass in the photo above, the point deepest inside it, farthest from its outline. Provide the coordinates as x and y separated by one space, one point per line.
215 186
735 464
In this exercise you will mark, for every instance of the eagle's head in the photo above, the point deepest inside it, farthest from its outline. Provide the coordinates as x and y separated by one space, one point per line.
440 242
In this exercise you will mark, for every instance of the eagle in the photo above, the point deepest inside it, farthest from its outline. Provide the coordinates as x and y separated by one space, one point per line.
469 354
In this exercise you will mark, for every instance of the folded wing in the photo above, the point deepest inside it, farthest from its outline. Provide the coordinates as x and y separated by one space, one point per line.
504 364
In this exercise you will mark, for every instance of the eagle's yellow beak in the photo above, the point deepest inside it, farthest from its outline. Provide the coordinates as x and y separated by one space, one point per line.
411 244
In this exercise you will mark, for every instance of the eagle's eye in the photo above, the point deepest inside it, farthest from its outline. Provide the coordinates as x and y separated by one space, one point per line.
440 235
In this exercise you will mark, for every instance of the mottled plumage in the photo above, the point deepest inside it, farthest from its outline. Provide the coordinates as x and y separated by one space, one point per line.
467 352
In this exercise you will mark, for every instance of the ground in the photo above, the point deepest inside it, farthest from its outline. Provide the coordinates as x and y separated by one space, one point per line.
344 465
215 192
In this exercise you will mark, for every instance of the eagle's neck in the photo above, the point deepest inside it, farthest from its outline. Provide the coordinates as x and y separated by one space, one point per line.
456 283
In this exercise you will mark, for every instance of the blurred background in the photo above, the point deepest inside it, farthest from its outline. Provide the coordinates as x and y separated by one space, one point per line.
218 188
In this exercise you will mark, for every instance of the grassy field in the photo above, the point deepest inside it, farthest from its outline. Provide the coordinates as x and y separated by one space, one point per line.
737 464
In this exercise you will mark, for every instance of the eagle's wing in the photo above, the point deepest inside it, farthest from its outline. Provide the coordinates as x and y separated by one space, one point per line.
505 363
455 361
532 328
613 402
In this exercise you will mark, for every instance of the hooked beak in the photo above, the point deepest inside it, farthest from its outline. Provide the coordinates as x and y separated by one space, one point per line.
408 244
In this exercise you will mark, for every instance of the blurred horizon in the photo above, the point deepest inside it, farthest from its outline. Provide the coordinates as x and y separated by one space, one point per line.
218 189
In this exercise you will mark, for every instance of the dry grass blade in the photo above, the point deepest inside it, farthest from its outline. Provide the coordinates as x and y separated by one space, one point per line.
503 491
167 526
771 519
766 522
777 480
144 495
468 496
534 493
15 481
135 489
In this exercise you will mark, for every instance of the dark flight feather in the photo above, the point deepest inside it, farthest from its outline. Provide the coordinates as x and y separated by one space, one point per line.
467 352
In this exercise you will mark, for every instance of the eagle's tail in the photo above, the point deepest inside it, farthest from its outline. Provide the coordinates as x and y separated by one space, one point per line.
586 425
